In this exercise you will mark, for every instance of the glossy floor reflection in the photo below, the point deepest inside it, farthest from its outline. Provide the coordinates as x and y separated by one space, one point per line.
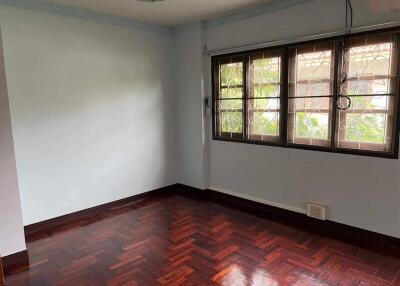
174 240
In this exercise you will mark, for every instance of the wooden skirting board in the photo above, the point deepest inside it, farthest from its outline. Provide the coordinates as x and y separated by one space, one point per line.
16 262
371 240
86 213
2 281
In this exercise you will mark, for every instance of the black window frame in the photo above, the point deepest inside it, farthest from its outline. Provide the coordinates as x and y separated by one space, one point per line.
283 124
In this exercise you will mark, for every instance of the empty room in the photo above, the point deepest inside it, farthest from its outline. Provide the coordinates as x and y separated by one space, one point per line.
199 142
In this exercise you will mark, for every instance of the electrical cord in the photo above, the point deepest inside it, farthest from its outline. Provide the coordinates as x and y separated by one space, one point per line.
349 11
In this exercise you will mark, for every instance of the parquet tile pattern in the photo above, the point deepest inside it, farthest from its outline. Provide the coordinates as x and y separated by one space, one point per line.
176 240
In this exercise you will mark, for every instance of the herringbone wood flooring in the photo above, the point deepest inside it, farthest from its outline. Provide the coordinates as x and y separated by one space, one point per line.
175 240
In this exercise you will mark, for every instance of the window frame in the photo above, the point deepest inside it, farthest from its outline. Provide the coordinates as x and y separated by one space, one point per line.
284 95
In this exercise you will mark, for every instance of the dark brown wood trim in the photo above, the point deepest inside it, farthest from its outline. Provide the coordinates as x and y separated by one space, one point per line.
378 242
2 280
94 211
16 262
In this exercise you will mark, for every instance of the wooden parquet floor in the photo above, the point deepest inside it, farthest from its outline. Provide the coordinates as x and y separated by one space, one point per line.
176 240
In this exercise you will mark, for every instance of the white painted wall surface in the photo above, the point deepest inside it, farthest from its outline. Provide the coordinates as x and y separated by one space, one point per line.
11 228
191 141
360 191
91 111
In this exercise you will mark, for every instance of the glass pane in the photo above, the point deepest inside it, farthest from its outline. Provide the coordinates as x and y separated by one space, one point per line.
313 89
264 76
230 115
269 90
309 120
367 124
263 119
265 70
314 66
231 74
365 87
365 128
231 122
367 103
231 92
369 60
231 105
312 125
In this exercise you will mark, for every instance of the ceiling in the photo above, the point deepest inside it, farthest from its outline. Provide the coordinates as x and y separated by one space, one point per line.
167 13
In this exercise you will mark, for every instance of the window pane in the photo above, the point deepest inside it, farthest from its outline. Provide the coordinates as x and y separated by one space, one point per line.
264 84
313 89
263 119
264 76
369 60
312 125
367 103
314 66
232 122
229 105
310 120
231 92
265 70
231 74
231 115
268 90
368 123
365 87
310 95
365 127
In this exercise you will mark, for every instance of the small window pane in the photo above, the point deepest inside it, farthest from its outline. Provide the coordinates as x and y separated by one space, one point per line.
232 122
367 103
263 119
366 127
314 66
313 89
266 70
311 120
312 125
365 87
369 60
231 105
231 74
231 92
268 90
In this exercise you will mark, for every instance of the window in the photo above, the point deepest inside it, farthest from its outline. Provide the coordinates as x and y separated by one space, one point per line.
370 84
230 96
336 95
311 81
263 100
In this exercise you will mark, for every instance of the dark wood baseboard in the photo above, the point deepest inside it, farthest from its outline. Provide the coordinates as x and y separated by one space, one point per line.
378 242
16 262
97 210
2 279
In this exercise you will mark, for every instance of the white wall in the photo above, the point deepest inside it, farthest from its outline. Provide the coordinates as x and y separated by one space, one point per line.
91 111
11 228
360 191
189 83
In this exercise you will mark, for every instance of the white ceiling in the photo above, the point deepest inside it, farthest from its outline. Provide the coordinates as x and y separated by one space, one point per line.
167 13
